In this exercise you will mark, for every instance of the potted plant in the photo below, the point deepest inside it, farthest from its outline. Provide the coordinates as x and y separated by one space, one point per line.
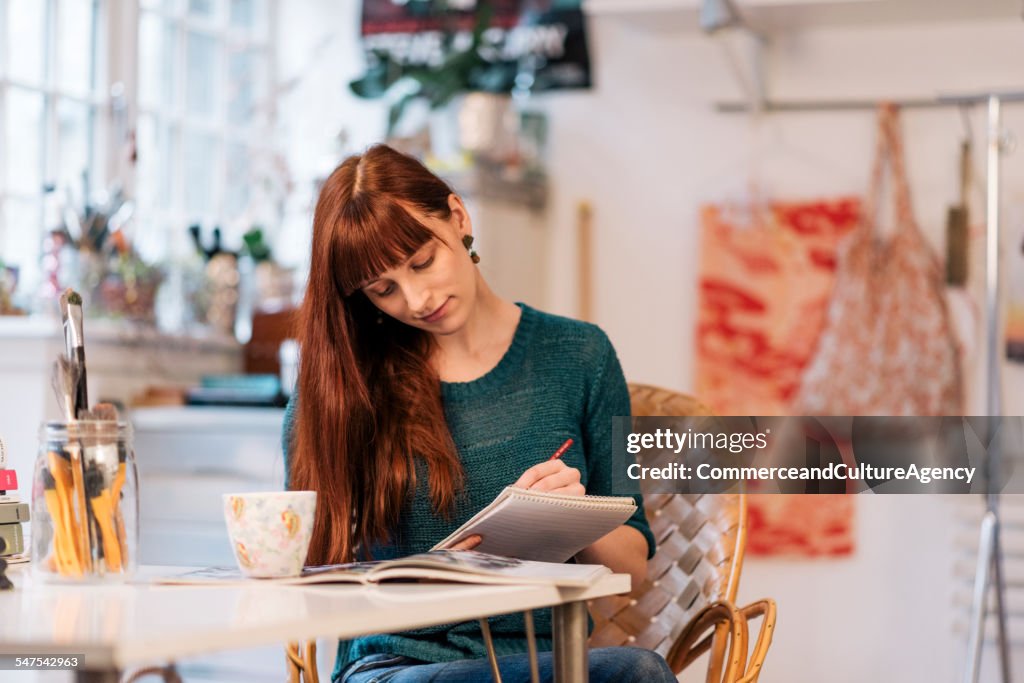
462 69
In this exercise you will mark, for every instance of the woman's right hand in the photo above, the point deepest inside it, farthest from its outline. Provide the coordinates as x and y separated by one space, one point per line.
468 543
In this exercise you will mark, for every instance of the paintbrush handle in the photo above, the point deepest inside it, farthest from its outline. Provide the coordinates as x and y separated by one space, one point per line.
81 384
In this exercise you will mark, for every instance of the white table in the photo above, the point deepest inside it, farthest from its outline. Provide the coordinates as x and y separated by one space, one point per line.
121 626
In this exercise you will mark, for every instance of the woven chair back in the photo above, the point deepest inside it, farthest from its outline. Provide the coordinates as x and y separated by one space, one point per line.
699 557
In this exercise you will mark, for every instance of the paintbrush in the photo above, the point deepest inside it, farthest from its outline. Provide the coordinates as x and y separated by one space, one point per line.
108 454
108 413
74 341
65 551
64 381
103 510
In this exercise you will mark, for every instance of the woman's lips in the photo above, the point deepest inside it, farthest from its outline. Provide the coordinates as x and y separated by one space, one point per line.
438 314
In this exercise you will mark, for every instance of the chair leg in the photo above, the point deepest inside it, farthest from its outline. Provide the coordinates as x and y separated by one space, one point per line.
301 667
311 672
492 657
168 673
294 662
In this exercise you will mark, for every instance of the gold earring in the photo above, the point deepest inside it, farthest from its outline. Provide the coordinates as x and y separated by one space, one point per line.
467 241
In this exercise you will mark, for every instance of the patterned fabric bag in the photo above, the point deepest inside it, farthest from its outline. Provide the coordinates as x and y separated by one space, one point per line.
889 346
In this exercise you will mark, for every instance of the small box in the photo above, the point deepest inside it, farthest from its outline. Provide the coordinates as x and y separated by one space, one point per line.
12 540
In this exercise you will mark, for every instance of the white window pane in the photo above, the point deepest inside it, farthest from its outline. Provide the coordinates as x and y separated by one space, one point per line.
236 190
156 57
200 171
169 6
242 13
151 240
201 74
207 9
246 91
74 124
24 140
75 45
154 163
26 44
250 16
22 234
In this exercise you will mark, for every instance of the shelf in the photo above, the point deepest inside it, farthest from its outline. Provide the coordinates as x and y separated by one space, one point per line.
782 15
115 332
492 182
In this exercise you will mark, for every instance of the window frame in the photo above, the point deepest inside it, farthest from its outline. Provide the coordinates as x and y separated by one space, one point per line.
113 117
53 93
175 216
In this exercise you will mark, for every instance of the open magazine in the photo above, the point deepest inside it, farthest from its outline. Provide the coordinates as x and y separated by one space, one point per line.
458 566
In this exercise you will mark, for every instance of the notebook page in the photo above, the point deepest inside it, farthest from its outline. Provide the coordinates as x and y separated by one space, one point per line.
543 527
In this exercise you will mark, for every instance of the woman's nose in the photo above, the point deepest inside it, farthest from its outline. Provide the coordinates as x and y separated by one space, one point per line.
417 299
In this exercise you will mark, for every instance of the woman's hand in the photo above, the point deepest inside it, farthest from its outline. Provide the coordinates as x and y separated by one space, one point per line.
468 543
553 476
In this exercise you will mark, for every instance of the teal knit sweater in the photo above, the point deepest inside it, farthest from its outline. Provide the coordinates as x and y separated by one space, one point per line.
560 378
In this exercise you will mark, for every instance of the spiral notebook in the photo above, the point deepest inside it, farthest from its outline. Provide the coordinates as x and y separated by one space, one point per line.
541 526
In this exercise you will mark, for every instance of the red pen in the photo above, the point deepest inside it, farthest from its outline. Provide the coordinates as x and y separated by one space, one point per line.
561 450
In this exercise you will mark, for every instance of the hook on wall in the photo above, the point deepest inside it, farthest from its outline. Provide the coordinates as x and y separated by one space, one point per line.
743 47
716 15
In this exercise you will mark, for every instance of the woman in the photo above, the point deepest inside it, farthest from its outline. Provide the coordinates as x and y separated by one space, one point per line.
422 394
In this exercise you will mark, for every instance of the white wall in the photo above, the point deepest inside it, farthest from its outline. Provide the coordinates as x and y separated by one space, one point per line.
318 54
645 148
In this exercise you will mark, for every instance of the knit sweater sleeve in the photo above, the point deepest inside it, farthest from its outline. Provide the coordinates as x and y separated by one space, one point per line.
287 430
608 397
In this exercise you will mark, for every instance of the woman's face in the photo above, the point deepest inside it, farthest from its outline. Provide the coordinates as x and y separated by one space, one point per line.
435 288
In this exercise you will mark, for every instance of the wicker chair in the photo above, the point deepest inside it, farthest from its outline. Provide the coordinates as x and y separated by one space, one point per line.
686 606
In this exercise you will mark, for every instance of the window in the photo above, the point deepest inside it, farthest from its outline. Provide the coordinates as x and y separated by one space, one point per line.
196 74
50 104
204 113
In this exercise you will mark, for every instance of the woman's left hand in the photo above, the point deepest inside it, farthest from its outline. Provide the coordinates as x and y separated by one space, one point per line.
553 476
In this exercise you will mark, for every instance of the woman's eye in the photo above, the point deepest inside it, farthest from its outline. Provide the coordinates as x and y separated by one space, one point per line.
386 291
425 264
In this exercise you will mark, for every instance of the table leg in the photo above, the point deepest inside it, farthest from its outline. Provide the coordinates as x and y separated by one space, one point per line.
569 630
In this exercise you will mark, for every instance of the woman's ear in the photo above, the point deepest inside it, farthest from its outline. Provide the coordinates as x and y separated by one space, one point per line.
460 216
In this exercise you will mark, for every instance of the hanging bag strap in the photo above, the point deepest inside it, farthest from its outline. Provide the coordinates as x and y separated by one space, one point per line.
889 151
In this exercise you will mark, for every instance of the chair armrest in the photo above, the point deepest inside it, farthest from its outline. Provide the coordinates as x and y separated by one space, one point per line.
762 608
719 624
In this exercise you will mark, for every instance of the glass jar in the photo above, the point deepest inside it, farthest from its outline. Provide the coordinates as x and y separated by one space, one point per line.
85 503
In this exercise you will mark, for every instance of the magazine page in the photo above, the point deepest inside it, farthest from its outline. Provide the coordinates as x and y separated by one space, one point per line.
476 567
354 572
460 566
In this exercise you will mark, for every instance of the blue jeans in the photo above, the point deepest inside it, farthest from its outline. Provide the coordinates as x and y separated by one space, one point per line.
607 665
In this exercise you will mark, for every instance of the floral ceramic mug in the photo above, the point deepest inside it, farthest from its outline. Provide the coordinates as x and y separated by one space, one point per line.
270 532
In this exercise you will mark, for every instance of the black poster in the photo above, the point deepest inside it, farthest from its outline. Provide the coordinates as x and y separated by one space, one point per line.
531 45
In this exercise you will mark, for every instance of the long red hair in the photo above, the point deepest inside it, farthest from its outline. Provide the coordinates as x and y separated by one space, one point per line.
369 401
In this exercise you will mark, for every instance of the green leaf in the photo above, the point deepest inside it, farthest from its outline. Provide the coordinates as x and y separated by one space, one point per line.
397 109
458 72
